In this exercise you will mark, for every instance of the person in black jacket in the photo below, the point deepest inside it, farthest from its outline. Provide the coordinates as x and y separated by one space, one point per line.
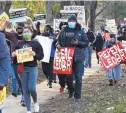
29 76
73 36
91 38
98 44
48 67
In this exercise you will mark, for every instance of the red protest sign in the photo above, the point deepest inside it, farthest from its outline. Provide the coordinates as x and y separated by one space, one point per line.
111 57
63 61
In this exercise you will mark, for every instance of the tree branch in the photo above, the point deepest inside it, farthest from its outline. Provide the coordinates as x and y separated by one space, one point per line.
101 10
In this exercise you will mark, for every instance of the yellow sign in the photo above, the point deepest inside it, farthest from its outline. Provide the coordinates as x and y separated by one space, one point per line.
23 55
2 95
3 18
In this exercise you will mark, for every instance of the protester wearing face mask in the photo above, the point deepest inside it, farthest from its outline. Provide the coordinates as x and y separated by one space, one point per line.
98 44
114 73
14 36
5 61
48 67
73 36
30 73
19 31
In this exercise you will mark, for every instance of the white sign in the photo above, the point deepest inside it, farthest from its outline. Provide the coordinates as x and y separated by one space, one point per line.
110 23
18 15
66 14
81 13
112 29
56 23
40 18
46 44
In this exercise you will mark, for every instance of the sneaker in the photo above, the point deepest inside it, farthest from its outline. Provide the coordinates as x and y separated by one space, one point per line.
29 112
23 103
115 81
61 89
50 84
14 94
54 81
36 107
77 100
111 82
70 95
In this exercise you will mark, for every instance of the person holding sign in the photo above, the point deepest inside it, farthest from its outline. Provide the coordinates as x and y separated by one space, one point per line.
115 72
5 65
30 72
73 36
5 61
48 67
13 36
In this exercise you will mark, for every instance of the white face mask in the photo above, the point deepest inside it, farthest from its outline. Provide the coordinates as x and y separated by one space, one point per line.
72 24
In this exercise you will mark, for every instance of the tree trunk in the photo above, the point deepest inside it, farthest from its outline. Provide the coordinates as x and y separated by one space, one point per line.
49 12
64 3
5 6
93 7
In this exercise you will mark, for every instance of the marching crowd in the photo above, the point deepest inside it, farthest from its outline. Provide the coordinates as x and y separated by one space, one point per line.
70 34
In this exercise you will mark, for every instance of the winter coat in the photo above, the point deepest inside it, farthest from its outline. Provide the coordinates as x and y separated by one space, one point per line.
5 61
67 35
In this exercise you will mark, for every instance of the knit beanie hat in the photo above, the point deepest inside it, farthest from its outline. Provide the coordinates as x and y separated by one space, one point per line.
72 17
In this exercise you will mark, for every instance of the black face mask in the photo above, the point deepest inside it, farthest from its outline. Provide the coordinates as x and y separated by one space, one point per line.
19 31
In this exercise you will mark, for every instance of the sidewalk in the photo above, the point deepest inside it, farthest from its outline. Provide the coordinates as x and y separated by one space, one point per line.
44 93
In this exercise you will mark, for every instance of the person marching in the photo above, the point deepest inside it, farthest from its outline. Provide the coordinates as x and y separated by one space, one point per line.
91 38
73 36
115 72
5 63
48 67
30 73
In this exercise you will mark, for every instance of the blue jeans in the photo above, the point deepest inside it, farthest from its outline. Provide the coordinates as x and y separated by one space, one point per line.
114 73
86 56
82 72
29 79
77 69
14 82
15 66
0 110
54 76
90 49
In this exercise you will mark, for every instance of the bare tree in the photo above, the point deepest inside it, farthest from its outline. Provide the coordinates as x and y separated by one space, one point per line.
49 12
93 6
96 8
5 6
